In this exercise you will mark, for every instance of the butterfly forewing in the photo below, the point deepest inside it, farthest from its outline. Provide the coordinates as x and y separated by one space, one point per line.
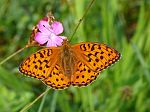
96 56
39 64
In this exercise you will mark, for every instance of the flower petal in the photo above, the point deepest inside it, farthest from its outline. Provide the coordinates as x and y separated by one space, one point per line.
59 40
55 41
41 38
62 37
49 43
44 27
57 27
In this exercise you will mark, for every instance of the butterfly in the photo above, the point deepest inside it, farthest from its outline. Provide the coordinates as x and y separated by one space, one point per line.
66 65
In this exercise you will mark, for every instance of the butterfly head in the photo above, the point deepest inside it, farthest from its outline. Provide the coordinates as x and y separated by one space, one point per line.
65 46
65 42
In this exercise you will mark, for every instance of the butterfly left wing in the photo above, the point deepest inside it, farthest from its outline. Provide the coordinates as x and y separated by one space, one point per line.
44 65
38 65
92 58
56 78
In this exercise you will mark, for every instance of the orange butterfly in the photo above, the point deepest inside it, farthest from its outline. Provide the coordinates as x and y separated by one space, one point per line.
77 65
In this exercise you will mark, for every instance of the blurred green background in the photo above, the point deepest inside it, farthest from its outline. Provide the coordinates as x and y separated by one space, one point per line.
122 24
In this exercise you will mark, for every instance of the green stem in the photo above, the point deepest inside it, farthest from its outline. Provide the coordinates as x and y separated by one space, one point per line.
86 11
42 102
6 59
30 104
53 104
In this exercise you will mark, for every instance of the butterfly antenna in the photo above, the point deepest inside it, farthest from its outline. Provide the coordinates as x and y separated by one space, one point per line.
85 13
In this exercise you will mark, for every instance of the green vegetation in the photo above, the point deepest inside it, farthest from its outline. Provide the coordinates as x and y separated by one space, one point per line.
122 24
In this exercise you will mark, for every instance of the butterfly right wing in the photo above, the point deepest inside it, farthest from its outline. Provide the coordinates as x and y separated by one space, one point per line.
95 55
83 75
91 59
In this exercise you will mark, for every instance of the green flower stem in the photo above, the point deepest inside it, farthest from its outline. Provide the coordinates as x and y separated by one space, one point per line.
42 102
30 104
53 103
86 11
6 59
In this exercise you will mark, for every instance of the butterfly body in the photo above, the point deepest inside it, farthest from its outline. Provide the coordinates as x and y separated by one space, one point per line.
67 59
77 65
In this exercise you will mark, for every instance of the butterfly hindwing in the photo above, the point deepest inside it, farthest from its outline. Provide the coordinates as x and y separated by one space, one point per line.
83 75
56 79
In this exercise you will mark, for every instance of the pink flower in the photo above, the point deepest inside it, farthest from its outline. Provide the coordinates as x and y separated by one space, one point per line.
49 33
